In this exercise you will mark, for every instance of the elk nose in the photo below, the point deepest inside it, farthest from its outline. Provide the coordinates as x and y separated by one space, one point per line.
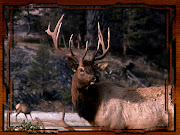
93 79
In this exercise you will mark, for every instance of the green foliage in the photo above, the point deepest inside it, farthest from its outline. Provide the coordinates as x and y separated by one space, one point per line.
25 126
66 96
29 125
39 73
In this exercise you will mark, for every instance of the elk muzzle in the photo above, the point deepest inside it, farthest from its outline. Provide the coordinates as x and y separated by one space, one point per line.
93 80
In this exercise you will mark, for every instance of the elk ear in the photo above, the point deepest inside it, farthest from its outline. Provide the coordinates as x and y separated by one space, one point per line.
102 65
72 64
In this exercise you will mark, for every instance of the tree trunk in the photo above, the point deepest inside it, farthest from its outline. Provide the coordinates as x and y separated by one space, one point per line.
64 40
29 23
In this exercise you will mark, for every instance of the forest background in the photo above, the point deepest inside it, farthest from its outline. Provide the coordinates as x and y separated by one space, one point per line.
138 56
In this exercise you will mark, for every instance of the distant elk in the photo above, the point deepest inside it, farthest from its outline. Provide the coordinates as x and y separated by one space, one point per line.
108 104
22 108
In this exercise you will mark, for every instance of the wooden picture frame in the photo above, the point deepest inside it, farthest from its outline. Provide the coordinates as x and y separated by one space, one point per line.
172 42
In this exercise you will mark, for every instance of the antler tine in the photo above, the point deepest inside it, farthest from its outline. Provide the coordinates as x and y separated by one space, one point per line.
96 51
100 41
41 124
85 50
57 28
70 41
100 37
55 36
108 38
48 30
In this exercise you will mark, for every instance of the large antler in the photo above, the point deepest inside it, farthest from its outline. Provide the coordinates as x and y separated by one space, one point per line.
100 41
55 36
60 123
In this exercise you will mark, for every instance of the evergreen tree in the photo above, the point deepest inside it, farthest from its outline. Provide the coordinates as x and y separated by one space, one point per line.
66 96
30 14
141 29
39 75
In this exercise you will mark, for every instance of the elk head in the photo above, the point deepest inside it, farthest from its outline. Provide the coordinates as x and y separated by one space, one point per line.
84 70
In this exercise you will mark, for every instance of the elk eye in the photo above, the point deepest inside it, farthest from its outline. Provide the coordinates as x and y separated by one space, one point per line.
81 69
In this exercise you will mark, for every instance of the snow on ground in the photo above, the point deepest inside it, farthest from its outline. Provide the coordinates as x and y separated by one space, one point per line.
71 119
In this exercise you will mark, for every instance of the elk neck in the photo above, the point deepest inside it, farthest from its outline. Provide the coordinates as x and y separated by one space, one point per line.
85 99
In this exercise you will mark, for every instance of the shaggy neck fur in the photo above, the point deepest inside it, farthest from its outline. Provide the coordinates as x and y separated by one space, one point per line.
86 99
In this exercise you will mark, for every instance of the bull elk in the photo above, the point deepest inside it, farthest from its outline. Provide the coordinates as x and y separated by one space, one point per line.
22 108
108 104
